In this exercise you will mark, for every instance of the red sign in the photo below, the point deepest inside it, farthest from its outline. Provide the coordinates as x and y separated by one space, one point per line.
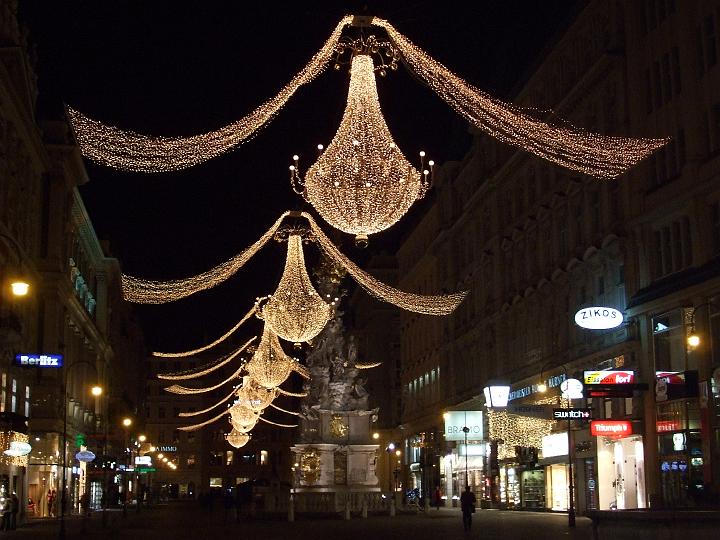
671 377
611 428
663 426
609 377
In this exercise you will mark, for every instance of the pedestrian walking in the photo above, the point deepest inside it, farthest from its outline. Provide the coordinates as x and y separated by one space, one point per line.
14 509
437 497
5 511
467 505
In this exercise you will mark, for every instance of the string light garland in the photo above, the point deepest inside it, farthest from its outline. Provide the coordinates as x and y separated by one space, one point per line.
295 312
208 409
367 365
269 365
278 424
207 368
184 390
295 413
417 303
143 291
130 151
209 345
237 439
195 427
570 147
292 394
362 183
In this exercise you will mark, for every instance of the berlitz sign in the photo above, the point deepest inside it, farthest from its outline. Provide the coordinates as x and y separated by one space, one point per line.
39 360
455 421
572 414
598 318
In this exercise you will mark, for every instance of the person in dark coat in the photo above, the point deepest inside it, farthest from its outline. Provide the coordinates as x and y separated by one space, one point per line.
14 509
467 505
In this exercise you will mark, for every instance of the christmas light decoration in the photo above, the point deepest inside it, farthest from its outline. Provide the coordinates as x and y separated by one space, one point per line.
578 150
255 396
143 291
295 413
361 184
237 439
132 151
428 305
242 415
367 365
207 368
278 424
291 394
208 409
209 345
295 312
195 427
184 390
244 428
269 365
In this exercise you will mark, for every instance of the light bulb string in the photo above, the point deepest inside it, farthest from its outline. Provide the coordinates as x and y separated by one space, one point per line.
215 406
291 394
128 150
284 410
195 427
209 345
184 390
207 368
278 424
571 147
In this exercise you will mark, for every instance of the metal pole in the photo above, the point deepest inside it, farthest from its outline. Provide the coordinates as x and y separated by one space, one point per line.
106 491
64 467
571 499
125 477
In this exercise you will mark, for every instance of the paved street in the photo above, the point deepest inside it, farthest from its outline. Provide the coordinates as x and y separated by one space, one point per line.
184 520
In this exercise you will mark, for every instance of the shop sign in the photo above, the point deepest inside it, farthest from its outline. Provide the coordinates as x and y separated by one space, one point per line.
671 385
471 450
598 318
143 460
555 444
533 411
18 449
525 391
455 421
611 428
609 377
146 469
584 413
166 449
85 456
664 426
572 389
39 360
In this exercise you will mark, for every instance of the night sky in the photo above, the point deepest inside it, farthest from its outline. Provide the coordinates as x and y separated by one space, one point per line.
181 68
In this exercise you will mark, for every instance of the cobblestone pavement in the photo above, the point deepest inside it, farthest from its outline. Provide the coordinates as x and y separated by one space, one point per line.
179 521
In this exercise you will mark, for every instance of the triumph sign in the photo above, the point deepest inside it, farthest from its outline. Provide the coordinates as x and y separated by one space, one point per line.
598 318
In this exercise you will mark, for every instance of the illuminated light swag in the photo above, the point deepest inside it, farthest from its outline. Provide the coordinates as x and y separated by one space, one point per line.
132 151
144 291
578 150
207 368
362 184
295 312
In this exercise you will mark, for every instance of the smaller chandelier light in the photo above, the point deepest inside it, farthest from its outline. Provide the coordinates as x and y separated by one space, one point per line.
255 396
361 184
237 439
295 312
243 416
269 365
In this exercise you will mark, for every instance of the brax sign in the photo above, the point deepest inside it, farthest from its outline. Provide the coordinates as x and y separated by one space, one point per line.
598 318
572 414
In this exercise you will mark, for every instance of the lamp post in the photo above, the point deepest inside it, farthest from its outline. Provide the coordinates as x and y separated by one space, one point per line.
466 430
542 387
126 423
693 338
497 395
95 391
389 449
19 286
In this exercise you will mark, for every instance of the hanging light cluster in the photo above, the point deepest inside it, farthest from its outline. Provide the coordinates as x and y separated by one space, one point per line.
362 184
269 365
132 151
237 439
573 148
295 312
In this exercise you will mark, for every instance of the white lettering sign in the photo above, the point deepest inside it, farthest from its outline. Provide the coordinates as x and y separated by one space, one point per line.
598 318
455 421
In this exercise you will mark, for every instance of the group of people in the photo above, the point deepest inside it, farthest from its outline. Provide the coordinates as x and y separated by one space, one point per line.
9 508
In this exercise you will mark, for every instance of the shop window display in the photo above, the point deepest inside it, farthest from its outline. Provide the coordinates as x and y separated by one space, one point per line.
533 489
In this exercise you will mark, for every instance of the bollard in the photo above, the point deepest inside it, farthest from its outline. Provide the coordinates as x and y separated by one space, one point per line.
392 507
364 507
291 509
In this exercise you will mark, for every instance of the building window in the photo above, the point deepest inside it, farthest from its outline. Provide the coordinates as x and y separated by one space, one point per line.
672 248
215 482
27 401
676 76
191 437
264 457
669 341
4 393
228 458
216 457
13 398
191 461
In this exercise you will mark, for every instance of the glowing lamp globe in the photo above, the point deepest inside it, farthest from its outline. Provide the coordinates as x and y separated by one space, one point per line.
295 312
269 365
19 288
362 184
237 439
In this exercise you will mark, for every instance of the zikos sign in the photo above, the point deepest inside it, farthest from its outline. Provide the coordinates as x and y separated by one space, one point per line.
610 428
598 318
609 377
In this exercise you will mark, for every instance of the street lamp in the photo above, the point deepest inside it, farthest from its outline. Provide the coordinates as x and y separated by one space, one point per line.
63 495
389 449
693 338
19 285
126 422
142 438
542 387
497 394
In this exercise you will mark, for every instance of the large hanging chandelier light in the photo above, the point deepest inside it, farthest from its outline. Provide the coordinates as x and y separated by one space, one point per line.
295 312
254 396
242 415
269 365
237 439
362 184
